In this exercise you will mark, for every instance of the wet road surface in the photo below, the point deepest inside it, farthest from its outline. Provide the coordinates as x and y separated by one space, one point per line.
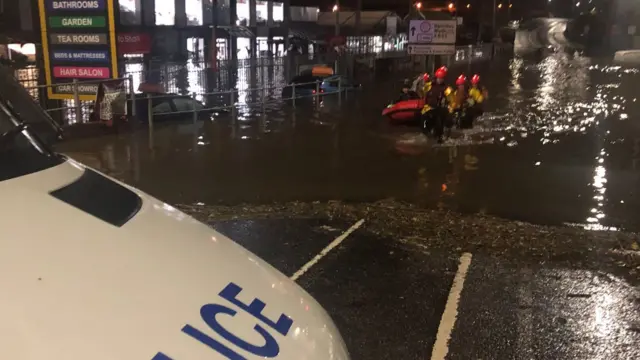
388 297
558 149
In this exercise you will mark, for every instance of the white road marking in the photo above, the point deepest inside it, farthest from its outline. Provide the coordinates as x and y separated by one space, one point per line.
448 320
326 250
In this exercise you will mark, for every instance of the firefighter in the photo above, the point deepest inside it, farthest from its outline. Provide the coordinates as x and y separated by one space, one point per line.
475 101
426 83
435 114
458 101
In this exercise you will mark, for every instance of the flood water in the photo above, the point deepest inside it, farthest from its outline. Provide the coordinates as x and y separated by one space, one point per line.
559 144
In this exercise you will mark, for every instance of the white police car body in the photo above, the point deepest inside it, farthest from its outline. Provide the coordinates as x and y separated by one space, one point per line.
93 269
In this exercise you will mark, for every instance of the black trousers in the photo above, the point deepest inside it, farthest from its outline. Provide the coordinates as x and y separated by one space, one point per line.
435 121
471 114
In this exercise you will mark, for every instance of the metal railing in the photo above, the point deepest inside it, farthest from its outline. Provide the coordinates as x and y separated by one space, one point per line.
172 75
231 101
74 110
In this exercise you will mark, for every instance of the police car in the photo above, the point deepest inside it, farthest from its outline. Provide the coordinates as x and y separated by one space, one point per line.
91 268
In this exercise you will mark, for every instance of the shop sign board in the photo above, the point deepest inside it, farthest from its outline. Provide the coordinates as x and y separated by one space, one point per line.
79 42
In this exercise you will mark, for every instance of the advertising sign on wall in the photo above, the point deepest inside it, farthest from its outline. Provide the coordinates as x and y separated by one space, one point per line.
79 42
134 43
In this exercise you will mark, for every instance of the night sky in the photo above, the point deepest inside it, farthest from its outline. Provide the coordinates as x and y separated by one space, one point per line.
392 5
402 6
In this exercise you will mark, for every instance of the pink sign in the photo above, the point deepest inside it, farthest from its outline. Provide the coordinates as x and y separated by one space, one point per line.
81 72
134 43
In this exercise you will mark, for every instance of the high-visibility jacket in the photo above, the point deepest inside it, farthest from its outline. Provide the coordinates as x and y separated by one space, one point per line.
438 95
457 100
477 95
426 87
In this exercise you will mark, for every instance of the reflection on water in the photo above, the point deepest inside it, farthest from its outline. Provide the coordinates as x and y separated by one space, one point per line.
566 105
254 80
515 88
550 98
572 96
600 188
562 86
547 143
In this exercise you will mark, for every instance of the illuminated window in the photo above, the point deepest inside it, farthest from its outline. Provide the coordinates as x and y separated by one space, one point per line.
165 12
222 49
130 12
242 12
193 10
261 11
278 11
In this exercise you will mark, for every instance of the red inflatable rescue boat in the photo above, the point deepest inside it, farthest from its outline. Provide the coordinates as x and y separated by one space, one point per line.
404 111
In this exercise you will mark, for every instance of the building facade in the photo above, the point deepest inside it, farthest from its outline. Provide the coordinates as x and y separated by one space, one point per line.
181 28
177 28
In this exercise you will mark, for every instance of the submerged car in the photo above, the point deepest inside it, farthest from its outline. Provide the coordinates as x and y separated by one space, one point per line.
338 83
303 87
92 268
167 107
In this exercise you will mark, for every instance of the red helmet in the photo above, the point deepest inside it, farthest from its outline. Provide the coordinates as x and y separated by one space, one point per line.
461 80
441 73
426 77
475 79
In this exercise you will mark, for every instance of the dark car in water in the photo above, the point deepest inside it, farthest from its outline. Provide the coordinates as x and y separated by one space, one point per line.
304 86
166 107
338 83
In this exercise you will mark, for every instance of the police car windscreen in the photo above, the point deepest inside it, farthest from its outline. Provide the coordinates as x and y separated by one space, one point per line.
24 105
20 153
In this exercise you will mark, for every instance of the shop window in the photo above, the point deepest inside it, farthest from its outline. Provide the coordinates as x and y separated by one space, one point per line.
278 12
242 12
165 12
130 12
193 10
261 12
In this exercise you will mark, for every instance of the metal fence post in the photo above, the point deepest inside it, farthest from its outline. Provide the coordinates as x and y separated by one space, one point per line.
339 90
346 91
264 95
76 101
165 77
150 112
195 109
233 104
133 96
293 92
